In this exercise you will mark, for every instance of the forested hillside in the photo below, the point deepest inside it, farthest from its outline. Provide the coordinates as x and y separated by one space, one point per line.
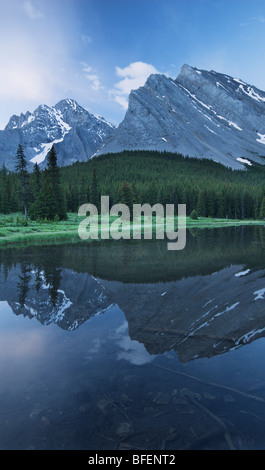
148 177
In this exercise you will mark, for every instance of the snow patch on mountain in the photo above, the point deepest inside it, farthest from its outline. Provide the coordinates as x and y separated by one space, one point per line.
44 148
75 133
261 139
245 160
231 123
250 92
200 114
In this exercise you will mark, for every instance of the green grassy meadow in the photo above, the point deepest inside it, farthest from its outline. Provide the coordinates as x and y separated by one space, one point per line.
15 230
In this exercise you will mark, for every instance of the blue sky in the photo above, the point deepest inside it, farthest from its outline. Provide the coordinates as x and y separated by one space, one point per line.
96 51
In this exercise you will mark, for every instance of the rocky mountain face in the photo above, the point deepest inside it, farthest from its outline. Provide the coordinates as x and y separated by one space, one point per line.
189 316
195 303
75 133
75 299
200 114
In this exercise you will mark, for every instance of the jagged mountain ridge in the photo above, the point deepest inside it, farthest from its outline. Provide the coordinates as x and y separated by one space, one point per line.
200 114
75 133
151 310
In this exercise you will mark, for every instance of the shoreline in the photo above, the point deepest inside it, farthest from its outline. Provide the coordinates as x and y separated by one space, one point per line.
12 234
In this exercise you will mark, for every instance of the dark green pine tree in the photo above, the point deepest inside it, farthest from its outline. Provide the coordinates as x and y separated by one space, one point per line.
249 205
83 192
94 195
35 208
152 193
58 206
72 198
194 215
220 206
21 168
236 206
4 191
126 195
202 203
36 179
134 193
211 202
262 209
46 201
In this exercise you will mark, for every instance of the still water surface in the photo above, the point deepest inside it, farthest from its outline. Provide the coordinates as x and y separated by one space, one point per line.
124 345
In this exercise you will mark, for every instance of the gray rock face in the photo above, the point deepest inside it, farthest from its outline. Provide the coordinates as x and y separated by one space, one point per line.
80 297
188 315
75 133
200 114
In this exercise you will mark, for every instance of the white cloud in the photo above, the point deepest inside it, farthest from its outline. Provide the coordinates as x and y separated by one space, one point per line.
92 76
132 77
122 101
27 76
19 81
31 10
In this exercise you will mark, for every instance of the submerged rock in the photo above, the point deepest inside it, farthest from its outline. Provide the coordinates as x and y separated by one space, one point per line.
124 429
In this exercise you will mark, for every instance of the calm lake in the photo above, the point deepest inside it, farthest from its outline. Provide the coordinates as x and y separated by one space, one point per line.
125 345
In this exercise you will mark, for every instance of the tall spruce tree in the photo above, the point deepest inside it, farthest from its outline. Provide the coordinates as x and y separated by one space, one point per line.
36 179
126 196
262 209
4 191
57 202
46 205
211 203
21 168
202 203
94 195
35 208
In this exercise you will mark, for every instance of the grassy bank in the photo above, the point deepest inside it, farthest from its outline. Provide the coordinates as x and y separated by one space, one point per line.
14 231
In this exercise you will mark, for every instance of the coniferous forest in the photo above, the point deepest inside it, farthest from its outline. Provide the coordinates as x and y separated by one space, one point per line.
207 188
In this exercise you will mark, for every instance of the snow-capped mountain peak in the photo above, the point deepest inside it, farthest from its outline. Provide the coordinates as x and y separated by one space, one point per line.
76 134
201 114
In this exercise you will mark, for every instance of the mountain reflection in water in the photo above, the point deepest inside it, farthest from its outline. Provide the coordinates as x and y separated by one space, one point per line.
201 301
125 345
